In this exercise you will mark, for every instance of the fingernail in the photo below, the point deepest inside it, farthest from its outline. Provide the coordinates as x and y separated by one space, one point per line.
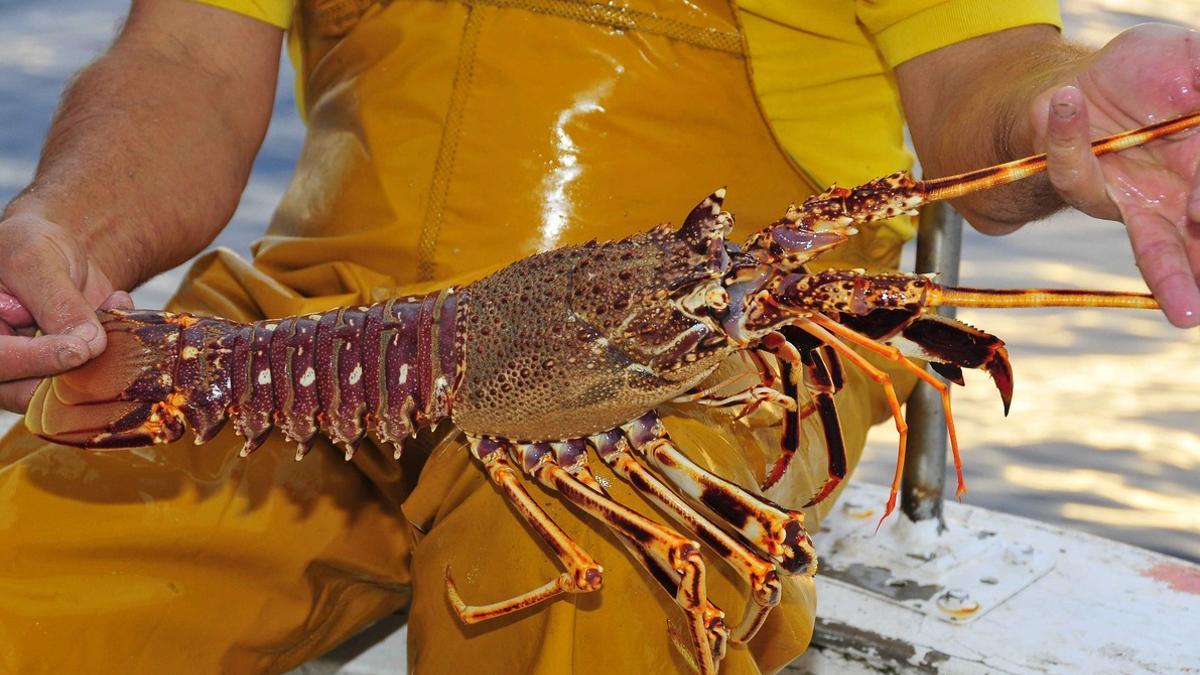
1063 110
70 357
9 302
1187 317
85 331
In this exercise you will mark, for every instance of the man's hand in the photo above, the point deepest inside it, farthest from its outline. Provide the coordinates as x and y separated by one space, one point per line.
143 165
46 282
1025 90
1146 74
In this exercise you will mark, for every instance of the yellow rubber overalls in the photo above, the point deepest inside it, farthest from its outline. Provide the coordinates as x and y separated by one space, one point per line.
446 138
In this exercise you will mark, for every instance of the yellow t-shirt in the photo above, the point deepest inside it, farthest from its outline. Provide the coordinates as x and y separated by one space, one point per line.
823 70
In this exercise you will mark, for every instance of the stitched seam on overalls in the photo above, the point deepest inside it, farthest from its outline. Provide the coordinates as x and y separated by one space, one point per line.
623 18
440 185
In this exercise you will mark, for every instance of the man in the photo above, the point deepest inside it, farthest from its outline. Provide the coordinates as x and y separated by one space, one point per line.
445 138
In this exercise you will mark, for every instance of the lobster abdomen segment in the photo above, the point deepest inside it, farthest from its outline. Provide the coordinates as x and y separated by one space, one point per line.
386 369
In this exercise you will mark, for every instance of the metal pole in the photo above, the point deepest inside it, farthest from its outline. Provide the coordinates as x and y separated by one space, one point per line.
939 244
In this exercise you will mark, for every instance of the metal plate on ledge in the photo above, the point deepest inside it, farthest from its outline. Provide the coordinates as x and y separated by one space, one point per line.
958 575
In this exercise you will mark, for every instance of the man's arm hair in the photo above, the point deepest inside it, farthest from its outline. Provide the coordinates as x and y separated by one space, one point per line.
967 107
153 142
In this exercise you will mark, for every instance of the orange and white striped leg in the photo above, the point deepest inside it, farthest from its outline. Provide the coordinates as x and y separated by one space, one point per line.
651 540
572 457
883 380
765 590
823 379
773 530
893 354
583 573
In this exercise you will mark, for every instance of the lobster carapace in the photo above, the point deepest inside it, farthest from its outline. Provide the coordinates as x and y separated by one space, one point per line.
572 350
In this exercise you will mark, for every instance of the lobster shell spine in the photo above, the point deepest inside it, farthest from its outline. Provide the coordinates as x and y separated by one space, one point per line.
386 369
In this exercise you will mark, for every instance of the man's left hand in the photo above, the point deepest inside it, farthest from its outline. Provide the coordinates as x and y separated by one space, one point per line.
1145 75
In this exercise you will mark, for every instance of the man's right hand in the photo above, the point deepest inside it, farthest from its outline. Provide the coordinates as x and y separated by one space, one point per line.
48 283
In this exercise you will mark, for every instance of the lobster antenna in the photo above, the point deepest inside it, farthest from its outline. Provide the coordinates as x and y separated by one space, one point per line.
1037 297
958 185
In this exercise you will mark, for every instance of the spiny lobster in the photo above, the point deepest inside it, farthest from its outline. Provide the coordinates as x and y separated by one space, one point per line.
573 349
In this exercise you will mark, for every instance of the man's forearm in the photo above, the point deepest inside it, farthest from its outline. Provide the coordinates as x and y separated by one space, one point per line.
147 155
977 114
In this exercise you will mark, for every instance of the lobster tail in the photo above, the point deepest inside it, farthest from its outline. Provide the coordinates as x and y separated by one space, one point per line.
133 394
386 369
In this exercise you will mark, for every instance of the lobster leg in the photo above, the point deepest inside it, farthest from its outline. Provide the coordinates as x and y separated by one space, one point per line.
770 379
777 532
704 394
893 354
751 398
584 574
613 447
775 343
765 372
883 380
824 380
572 457
651 539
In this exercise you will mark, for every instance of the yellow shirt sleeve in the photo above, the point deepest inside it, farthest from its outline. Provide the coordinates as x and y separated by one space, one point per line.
904 29
275 12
